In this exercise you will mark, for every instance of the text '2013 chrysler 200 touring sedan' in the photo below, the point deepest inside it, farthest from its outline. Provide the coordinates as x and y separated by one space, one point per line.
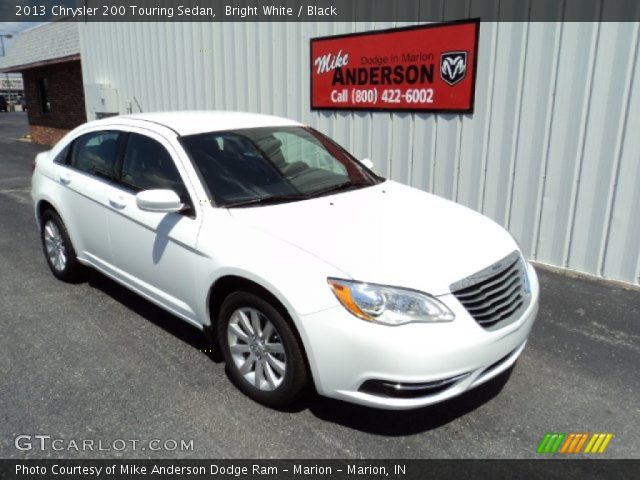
304 266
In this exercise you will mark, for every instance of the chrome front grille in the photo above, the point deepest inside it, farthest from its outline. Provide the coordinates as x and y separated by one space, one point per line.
496 294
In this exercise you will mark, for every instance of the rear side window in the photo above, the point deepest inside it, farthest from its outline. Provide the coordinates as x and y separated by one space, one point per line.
96 153
148 165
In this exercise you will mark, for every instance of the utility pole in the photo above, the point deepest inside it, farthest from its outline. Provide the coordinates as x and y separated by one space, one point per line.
6 75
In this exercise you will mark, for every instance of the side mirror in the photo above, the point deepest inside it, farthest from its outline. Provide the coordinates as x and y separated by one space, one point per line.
164 201
367 163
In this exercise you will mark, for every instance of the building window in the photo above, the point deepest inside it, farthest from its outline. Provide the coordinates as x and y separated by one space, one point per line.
43 87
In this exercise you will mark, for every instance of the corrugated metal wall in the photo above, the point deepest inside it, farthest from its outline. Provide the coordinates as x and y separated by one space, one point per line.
552 151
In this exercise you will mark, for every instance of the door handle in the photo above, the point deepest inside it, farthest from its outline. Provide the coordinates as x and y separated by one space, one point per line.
65 179
117 202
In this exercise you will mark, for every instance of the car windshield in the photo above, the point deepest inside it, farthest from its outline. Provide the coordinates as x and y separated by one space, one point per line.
273 165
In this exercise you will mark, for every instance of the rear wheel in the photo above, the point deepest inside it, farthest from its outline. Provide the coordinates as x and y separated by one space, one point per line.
57 247
262 353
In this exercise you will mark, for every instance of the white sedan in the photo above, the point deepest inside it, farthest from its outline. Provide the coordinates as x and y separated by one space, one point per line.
304 267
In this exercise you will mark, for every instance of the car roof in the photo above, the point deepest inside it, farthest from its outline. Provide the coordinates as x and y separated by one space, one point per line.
199 121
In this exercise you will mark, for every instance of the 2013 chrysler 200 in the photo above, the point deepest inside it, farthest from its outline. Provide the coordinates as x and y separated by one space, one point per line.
301 263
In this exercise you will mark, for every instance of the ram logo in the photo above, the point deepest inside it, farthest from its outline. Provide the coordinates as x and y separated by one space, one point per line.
453 66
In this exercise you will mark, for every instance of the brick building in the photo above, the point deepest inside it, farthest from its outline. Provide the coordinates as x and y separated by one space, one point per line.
48 57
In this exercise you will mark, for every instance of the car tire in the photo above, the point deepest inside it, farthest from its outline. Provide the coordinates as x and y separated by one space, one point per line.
58 249
269 367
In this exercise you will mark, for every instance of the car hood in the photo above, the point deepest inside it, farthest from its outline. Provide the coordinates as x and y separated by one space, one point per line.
389 234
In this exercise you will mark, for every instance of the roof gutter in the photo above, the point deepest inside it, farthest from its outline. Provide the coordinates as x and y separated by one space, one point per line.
41 63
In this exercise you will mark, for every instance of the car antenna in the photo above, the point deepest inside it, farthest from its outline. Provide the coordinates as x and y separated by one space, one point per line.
137 104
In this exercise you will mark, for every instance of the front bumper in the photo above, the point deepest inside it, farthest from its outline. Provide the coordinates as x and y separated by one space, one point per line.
345 352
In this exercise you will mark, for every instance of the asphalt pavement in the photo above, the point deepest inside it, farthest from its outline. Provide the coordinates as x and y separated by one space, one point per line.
92 361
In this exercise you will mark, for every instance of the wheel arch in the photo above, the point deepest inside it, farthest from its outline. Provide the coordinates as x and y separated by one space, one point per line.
232 282
42 206
46 203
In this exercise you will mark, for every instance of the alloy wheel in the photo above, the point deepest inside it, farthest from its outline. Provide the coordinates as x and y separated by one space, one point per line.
256 349
54 244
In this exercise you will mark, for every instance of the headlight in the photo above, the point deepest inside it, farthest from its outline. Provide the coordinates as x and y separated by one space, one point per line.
389 305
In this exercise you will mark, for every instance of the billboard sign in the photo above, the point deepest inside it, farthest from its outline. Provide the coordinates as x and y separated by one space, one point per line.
11 83
420 68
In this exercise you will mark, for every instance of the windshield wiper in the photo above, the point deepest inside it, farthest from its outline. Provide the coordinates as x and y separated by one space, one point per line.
338 187
266 200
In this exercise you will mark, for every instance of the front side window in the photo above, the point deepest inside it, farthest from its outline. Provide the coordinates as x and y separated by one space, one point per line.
273 163
148 165
95 153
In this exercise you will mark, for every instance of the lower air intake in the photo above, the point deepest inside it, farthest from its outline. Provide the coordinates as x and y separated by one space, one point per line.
384 388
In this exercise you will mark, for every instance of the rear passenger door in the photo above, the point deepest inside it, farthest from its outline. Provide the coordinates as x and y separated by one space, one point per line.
153 252
84 169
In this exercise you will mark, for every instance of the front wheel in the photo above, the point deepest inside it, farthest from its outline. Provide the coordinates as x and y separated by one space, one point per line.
262 353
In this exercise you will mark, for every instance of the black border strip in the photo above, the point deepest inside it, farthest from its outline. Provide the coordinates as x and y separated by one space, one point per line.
351 11
544 467
423 26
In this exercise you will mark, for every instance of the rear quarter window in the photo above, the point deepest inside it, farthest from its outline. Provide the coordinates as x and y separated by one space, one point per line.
62 158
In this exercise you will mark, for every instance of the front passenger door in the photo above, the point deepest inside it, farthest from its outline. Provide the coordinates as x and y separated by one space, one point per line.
153 252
